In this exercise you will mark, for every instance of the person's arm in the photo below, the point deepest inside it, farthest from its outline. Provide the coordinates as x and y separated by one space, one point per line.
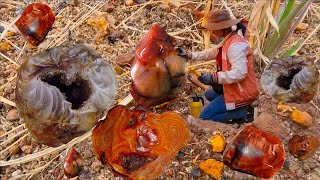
207 54
237 55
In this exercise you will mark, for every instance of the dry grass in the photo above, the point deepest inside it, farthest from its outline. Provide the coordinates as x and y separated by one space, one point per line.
190 33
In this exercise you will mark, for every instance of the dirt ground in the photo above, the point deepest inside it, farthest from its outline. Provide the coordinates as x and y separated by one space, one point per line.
122 38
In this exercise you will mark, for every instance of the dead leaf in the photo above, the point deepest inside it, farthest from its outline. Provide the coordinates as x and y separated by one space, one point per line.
102 24
302 27
5 47
302 118
176 3
10 33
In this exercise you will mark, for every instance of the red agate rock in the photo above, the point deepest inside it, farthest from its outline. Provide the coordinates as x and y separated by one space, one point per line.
255 152
35 22
139 144
303 147
157 72
73 163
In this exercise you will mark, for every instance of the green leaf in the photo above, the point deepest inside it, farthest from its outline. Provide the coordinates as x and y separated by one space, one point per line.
294 49
286 27
287 10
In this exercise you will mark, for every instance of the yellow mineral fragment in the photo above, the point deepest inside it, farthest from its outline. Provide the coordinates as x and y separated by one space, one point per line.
302 118
212 167
218 143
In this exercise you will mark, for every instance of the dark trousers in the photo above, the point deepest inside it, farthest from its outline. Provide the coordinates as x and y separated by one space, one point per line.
216 109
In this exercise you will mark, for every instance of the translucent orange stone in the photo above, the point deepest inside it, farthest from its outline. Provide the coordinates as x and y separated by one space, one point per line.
139 144
157 72
35 22
303 147
255 152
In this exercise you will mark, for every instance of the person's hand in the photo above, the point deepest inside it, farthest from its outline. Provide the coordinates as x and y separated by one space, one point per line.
206 79
182 53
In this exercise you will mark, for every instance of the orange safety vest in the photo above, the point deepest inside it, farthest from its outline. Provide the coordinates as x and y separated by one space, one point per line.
244 92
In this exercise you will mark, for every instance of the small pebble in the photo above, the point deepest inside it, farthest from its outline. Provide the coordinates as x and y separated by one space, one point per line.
196 172
16 173
27 149
108 8
1 29
313 165
306 168
12 115
96 165
286 164
299 173
87 154
8 90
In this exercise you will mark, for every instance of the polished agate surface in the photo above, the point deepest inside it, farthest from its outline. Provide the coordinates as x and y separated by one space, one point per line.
139 144
157 72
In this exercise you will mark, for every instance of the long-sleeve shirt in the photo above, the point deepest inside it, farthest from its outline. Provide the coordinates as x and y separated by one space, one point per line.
237 54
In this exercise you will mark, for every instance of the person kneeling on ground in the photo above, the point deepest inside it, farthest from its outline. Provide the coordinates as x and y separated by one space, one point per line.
234 85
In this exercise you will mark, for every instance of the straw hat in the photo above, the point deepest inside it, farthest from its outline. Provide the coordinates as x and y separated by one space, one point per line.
220 19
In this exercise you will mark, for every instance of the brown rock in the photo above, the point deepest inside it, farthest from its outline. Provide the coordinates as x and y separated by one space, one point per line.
125 59
8 90
108 8
27 149
270 124
96 165
303 147
12 115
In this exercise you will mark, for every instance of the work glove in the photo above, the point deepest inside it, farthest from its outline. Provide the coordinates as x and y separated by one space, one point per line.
183 53
208 78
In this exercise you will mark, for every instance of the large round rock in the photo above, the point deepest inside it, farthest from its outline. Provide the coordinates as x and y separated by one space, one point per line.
63 91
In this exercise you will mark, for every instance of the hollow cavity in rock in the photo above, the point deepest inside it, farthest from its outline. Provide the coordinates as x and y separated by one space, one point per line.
76 92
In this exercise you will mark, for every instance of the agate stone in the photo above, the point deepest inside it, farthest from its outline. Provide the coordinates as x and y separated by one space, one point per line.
139 144
255 152
63 91
35 22
303 147
157 72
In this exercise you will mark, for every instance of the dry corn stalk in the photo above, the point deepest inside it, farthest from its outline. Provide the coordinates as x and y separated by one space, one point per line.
267 33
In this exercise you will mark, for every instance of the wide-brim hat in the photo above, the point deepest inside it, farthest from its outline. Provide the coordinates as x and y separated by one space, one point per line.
220 19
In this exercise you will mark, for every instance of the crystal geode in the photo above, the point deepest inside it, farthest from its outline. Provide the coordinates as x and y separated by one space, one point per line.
63 91
291 79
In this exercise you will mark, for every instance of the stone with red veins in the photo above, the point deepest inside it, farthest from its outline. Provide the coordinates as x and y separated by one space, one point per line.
255 152
35 22
303 147
157 72
139 144
73 163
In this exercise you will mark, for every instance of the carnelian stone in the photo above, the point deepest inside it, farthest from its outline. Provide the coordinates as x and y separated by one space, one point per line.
139 144
35 22
255 152
157 72
303 147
